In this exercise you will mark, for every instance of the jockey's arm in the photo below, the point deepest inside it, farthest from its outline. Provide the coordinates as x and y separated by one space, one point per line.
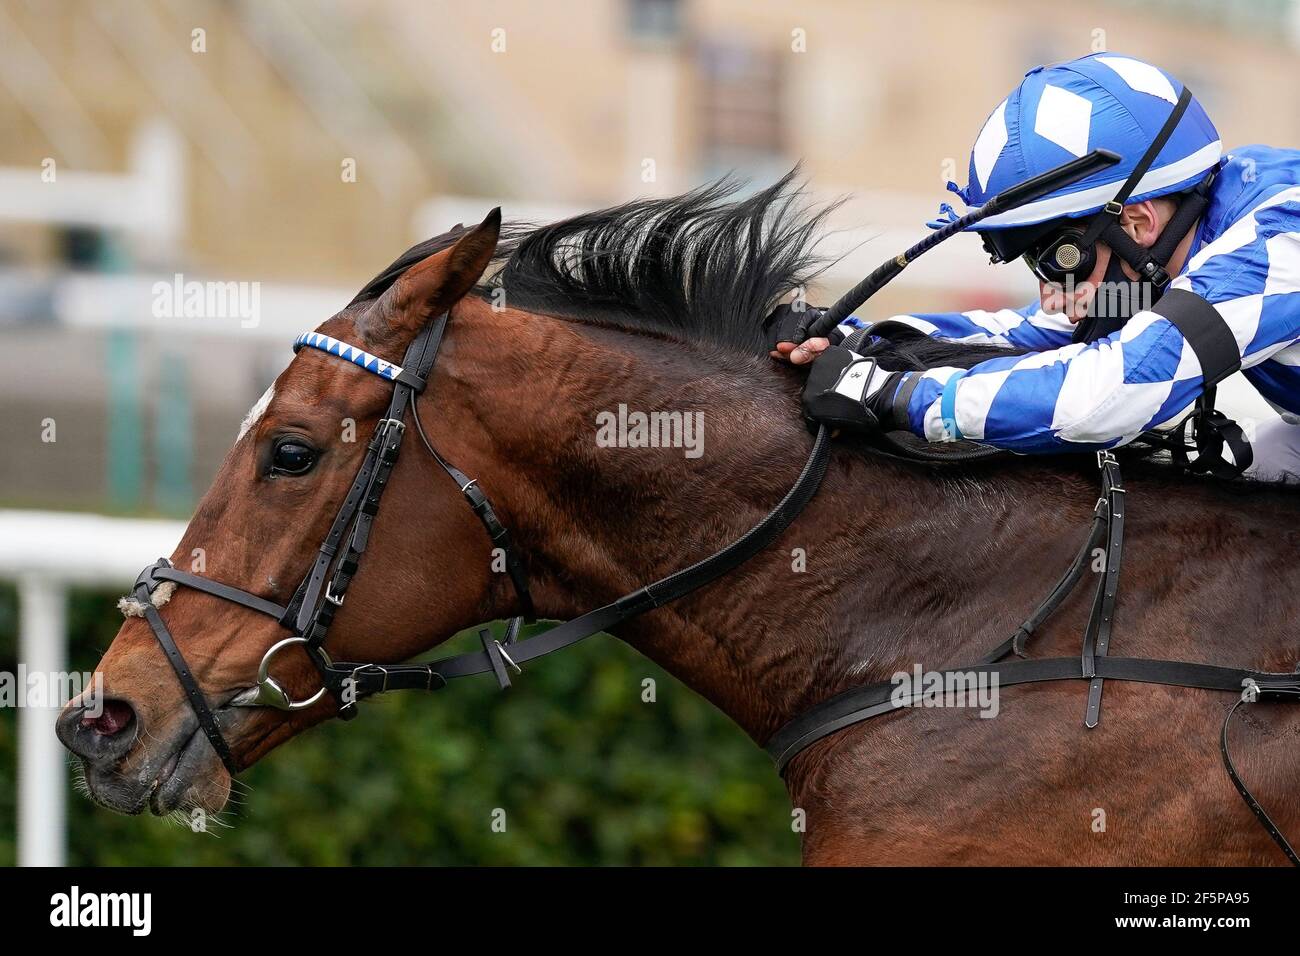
1027 328
1085 397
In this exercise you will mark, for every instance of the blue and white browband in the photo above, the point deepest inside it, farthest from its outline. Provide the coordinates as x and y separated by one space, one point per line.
371 363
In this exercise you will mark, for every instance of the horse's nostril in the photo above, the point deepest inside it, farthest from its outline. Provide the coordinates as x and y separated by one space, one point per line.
115 718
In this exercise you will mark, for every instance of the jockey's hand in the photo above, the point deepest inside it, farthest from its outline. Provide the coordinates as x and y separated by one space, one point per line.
847 390
800 354
781 326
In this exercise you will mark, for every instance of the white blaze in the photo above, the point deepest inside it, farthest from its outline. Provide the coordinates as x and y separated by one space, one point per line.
256 411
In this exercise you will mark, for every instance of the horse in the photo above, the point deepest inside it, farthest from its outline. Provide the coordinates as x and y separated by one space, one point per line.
658 305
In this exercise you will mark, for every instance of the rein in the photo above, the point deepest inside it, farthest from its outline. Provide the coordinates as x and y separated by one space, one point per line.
310 612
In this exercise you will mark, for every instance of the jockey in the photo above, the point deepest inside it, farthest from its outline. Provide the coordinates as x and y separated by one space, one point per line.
1158 276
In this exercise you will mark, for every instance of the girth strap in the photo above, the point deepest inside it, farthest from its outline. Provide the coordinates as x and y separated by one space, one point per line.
861 703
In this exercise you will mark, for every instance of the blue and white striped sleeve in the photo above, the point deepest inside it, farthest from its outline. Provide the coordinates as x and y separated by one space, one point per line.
1027 328
1100 395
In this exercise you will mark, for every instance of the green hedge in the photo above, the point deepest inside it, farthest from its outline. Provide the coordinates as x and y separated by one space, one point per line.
585 772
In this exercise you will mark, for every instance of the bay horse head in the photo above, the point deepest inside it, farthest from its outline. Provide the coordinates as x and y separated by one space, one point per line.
216 664
257 528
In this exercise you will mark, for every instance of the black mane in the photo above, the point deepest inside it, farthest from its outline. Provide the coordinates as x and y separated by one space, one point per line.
705 266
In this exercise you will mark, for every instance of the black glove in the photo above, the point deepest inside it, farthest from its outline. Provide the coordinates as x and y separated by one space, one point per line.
848 390
783 321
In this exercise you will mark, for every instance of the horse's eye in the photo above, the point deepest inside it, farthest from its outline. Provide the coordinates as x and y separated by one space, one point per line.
292 457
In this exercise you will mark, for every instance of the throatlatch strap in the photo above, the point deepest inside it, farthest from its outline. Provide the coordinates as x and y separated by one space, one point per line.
497 533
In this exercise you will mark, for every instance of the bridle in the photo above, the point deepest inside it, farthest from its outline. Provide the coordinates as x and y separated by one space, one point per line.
311 611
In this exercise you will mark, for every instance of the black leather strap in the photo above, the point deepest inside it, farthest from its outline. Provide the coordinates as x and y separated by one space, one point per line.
1142 259
902 400
436 673
1018 642
388 443
1261 815
496 657
1205 331
198 703
163 571
313 613
1211 338
313 584
861 703
1096 640
1191 207
1211 431
487 516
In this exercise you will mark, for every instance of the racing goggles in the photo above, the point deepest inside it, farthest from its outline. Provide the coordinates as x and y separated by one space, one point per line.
1056 252
1065 257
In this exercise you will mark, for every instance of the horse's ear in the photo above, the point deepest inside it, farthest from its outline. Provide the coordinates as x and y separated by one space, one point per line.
432 285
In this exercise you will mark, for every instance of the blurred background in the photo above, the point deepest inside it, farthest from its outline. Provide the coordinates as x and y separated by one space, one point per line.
286 151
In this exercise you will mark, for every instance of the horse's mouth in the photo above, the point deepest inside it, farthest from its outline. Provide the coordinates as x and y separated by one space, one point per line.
188 778
177 776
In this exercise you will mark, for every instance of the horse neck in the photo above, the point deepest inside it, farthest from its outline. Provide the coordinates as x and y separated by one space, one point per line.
886 567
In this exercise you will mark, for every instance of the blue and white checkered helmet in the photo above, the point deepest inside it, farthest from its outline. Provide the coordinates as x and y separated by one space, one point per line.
1063 111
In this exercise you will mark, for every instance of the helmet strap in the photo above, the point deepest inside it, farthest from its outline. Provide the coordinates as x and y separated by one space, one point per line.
1190 208
1116 301
1110 213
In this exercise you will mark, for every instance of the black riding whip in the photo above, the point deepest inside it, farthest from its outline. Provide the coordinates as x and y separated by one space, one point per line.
817 325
